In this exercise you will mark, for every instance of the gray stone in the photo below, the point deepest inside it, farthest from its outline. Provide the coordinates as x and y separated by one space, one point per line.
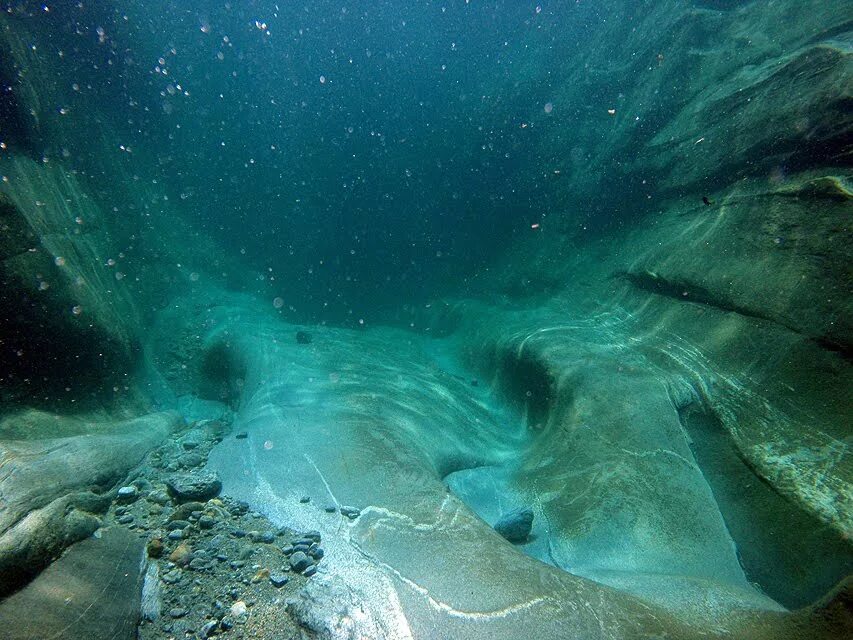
206 522
350 512
199 486
171 577
127 494
299 561
177 612
176 534
125 519
209 629
515 526
278 579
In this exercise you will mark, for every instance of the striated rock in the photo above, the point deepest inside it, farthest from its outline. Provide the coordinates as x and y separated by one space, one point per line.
46 489
93 591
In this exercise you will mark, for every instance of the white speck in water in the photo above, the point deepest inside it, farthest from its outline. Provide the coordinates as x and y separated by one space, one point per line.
59 261
76 309
278 303
549 107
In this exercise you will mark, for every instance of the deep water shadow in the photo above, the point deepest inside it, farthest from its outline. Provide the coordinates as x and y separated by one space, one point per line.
792 556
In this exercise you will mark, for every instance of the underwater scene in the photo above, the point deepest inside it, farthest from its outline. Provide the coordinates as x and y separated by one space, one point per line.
426 319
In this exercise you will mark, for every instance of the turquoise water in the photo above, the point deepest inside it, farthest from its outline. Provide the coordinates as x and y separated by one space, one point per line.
424 320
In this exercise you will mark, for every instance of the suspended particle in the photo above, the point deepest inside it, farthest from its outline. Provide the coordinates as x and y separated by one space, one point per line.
278 303
76 309
59 261
194 277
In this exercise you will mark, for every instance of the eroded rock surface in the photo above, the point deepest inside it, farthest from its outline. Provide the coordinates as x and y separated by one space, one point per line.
52 490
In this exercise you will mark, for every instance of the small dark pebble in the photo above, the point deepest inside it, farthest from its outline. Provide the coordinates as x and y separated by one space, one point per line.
267 537
350 512
238 564
278 579
209 629
330 509
312 535
299 561
177 524
287 549
317 553
206 522
226 624
177 534
238 533
310 571
177 612
242 435
305 499
125 519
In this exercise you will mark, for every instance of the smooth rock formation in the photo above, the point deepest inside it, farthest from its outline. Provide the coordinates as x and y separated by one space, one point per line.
93 591
52 490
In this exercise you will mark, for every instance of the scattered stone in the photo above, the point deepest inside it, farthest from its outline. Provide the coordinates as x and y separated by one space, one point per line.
267 537
237 564
177 612
192 439
312 535
299 561
125 519
330 508
155 548
238 533
158 497
310 571
278 579
515 526
317 553
199 564
177 534
350 512
238 609
171 577
241 436
181 554
287 549
303 337
177 524
190 460
239 508
194 486
127 494
209 629
226 624
305 499
206 522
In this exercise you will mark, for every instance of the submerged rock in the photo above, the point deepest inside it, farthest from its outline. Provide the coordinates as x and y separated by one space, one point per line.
194 486
516 525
